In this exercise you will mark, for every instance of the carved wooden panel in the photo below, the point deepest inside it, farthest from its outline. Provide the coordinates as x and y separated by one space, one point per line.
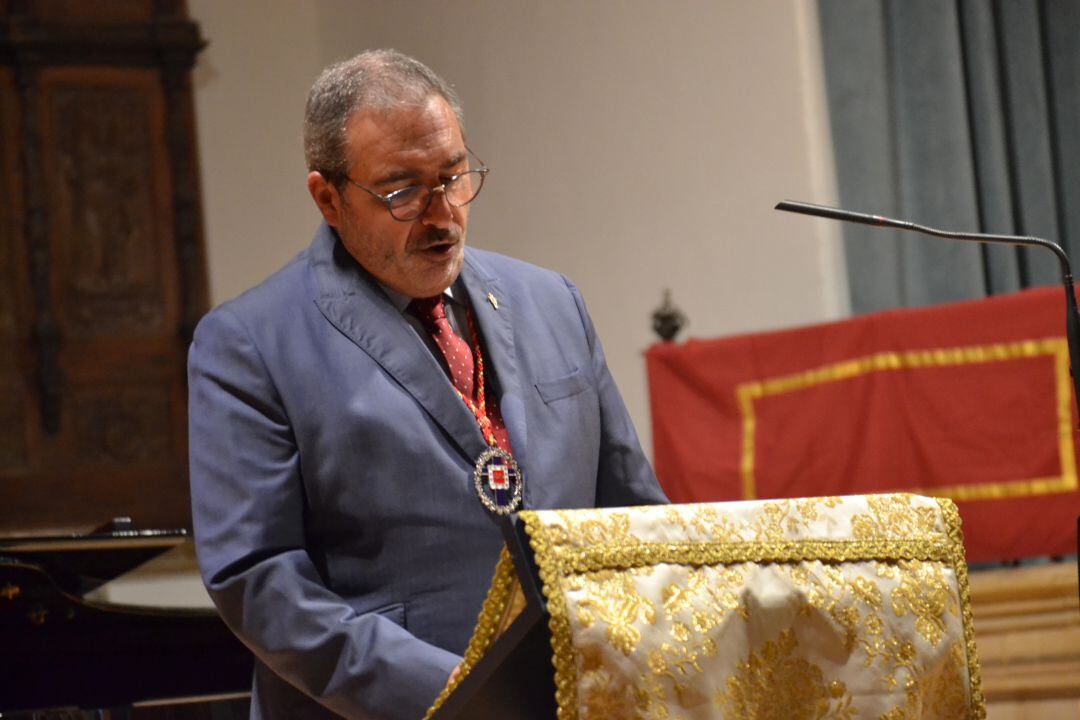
14 390
122 424
13 420
97 12
102 269
8 210
110 212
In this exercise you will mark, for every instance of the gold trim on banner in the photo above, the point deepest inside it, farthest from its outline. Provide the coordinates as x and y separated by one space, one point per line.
557 562
747 393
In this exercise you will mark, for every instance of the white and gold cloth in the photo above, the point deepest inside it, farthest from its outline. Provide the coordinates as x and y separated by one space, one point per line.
818 608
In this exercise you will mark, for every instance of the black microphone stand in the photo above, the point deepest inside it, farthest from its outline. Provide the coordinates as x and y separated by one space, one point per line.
1072 315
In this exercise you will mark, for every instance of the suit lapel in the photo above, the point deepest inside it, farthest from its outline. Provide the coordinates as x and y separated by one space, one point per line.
350 300
496 328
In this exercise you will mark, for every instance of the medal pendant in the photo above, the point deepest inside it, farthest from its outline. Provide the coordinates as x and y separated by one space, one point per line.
498 481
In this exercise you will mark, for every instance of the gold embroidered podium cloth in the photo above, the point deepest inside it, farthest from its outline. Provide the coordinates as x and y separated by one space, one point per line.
817 608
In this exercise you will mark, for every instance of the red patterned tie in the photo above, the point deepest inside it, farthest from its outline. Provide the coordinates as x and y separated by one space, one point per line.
458 354
459 358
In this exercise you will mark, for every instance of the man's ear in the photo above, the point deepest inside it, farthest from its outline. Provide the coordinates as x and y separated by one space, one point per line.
326 197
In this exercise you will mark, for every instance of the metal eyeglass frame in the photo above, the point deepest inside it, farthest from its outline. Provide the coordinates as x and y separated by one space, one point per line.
388 199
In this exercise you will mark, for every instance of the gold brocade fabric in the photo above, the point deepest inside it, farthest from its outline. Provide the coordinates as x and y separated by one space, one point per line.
817 609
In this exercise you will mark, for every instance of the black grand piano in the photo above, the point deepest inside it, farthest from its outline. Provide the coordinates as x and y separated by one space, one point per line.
65 656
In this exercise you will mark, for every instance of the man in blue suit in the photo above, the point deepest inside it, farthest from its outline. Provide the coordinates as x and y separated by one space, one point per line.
340 409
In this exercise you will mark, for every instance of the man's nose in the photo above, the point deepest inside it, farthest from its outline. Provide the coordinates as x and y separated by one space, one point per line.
439 213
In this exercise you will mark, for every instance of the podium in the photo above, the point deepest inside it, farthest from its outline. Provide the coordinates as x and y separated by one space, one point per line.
839 607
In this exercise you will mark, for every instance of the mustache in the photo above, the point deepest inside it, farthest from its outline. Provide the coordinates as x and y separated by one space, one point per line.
439 236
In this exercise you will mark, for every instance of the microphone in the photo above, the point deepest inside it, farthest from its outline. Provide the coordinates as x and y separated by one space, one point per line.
1072 315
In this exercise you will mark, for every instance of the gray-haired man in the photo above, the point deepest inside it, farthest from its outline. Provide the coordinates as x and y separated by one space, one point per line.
358 418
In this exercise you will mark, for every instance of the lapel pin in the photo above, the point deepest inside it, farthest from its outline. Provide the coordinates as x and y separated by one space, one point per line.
493 301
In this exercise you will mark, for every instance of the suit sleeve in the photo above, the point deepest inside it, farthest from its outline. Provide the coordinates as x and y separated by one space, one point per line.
248 510
624 475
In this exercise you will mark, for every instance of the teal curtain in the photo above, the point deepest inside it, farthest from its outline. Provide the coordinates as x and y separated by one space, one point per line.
961 115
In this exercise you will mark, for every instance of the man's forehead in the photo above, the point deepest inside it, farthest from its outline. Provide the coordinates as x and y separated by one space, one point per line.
403 129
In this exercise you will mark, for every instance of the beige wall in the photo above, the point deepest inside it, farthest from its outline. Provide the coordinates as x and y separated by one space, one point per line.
635 146
250 87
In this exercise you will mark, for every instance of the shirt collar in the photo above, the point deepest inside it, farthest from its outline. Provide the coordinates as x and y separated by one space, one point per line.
401 302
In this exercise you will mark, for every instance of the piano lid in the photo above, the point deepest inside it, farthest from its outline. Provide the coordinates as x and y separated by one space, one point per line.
81 563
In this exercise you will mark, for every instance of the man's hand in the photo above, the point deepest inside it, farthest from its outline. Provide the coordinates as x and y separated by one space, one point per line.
454 675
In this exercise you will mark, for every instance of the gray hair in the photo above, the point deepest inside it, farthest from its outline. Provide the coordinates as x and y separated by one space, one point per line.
375 79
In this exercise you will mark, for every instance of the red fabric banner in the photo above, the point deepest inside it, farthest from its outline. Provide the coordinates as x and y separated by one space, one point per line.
971 401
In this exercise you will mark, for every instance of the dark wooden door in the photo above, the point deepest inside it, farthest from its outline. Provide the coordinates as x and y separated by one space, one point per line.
102 269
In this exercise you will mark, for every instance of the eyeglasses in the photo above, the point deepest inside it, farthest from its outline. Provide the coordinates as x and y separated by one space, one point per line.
411 202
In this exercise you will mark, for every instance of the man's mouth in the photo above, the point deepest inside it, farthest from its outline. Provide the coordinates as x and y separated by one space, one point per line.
440 246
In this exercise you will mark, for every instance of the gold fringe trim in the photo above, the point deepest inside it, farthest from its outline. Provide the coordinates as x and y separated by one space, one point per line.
959 562
646 554
562 655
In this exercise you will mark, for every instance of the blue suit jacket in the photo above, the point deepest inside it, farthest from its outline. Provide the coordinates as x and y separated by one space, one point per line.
331 467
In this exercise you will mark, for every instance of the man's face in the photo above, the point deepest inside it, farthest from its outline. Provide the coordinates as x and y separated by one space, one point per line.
388 149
